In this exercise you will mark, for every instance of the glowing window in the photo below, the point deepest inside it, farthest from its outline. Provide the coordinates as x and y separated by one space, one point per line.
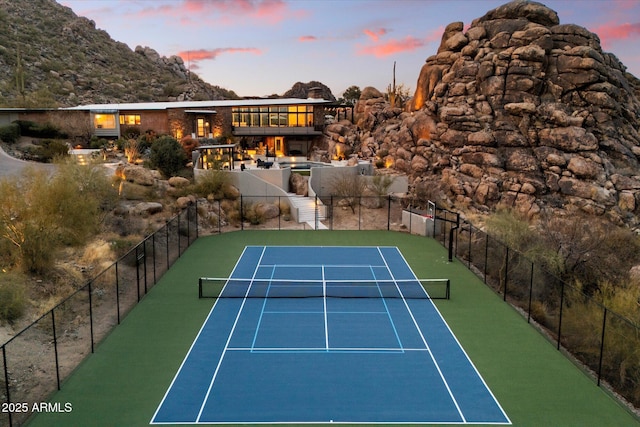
104 121
130 119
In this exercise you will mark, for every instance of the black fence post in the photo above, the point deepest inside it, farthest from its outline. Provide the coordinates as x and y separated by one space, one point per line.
388 212
90 316
117 293
279 211
486 255
530 293
178 233
469 248
167 237
604 324
331 217
144 263
196 215
138 273
560 316
506 272
153 246
241 214
6 378
55 348
359 212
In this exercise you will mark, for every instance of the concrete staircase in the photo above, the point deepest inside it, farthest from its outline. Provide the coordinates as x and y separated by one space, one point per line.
306 208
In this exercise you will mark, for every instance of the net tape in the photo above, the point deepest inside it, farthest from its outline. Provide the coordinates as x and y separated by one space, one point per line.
213 287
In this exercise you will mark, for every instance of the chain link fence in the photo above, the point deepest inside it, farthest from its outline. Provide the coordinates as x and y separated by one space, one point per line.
35 362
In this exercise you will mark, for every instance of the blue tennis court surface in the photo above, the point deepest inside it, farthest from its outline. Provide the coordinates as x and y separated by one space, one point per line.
381 357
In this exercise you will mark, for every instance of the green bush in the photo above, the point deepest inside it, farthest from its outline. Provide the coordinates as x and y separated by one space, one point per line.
38 130
12 299
10 133
52 149
167 155
212 183
97 143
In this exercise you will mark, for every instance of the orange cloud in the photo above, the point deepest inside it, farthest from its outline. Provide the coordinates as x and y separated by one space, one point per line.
375 34
195 56
611 32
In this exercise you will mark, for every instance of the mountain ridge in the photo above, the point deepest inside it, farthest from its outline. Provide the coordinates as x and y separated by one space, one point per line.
51 57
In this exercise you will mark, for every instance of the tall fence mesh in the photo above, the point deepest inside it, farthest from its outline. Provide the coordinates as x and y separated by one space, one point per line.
37 360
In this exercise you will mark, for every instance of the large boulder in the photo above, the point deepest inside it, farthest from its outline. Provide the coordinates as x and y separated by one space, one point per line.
519 110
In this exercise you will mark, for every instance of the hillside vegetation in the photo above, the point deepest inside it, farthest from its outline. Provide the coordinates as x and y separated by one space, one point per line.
50 57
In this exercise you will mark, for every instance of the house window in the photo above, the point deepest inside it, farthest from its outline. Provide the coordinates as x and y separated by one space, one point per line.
130 119
273 116
202 128
104 121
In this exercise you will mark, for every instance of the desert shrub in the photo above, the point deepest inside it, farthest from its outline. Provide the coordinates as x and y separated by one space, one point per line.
349 188
285 208
51 149
212 183
97 142
380 184
10 133
13 299
189 144
252 214
132 149
40 213
39 130
590 251
167 155
231 208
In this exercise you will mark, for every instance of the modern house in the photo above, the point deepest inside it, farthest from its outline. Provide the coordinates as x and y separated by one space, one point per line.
272 127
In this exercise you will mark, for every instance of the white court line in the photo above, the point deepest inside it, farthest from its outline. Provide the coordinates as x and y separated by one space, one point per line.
193 344
424 340
264 305
324 303
226 345
323 349
462 349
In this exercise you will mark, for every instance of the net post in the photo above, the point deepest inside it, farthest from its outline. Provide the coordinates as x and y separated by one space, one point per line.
448 289
200 288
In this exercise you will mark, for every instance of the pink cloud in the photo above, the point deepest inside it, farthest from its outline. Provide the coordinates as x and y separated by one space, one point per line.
195 56
375 34
610 32
393 46
390 47
308 38
223 11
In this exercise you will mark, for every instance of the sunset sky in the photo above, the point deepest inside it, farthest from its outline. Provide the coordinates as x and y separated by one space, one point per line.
263 47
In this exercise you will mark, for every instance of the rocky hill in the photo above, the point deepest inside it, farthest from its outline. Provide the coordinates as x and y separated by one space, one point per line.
518 111
51 57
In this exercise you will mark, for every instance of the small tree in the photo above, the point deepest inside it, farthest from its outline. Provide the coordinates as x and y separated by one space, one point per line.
349 187
352 95
168 156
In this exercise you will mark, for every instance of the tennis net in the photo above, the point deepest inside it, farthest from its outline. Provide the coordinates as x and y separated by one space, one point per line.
219 287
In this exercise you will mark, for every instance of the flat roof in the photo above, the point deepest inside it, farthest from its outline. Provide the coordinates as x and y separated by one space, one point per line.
199 104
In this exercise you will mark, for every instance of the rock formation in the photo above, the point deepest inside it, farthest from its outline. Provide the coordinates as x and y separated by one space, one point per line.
518 111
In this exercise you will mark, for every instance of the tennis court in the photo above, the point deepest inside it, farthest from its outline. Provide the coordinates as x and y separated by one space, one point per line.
326 334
